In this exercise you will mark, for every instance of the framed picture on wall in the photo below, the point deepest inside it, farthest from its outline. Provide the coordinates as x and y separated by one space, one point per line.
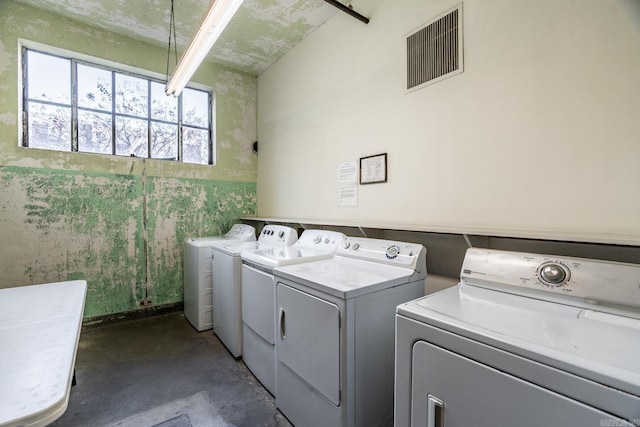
373 169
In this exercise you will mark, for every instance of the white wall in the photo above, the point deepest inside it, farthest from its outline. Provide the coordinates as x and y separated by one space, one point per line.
538 137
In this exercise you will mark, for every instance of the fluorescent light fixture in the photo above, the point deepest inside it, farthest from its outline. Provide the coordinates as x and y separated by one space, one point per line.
215 20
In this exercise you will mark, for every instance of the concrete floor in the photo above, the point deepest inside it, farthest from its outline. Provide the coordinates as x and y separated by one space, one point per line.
161 372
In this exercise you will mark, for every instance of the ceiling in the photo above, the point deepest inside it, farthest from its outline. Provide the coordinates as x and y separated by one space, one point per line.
260 32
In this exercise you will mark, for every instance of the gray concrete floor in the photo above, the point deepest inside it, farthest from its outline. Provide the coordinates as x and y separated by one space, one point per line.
161 372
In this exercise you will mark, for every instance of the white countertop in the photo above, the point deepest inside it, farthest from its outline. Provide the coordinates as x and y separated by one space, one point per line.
39 331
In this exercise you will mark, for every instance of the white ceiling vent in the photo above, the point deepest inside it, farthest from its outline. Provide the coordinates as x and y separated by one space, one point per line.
434 51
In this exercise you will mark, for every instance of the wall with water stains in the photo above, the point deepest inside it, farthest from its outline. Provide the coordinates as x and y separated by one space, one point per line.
117 222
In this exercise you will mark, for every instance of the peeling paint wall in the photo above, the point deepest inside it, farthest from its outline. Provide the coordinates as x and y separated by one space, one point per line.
117 222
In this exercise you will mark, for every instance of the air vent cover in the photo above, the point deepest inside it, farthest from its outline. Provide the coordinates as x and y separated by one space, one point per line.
434 51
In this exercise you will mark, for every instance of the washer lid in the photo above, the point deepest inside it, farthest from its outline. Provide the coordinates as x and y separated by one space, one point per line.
279 256
313 245
345 277
236 248
599 346
237 233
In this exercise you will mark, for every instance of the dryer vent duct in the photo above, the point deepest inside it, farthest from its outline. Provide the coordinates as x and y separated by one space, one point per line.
434 51
348 10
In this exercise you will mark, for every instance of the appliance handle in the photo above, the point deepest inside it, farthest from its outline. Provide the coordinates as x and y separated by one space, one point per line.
435 412
281 323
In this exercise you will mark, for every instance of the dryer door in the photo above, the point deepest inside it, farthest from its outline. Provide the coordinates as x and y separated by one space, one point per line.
258 302
308 334
453 391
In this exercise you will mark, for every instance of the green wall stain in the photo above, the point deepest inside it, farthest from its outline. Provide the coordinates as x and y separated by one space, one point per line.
92 226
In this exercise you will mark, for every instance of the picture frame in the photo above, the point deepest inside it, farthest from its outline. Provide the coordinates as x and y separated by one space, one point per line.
373 169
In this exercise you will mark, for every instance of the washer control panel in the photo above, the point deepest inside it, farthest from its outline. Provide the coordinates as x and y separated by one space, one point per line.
384 251
278 235
592 281
241 232
320 239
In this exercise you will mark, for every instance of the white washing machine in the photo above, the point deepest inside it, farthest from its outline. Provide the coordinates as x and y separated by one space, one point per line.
259 297
335 332
197 273
226 282
523 340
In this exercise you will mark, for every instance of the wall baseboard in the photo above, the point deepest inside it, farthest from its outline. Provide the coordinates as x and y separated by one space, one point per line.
141 313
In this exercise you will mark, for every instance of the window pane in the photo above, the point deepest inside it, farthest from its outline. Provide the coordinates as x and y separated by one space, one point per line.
49 78
94 88
94 132
195 146
131 137
115 111
195 108
49 127
163 107
164 141
131 95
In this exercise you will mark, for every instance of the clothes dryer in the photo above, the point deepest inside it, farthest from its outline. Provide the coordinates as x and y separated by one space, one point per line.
335 332
226 282
523 340
258 297
197 273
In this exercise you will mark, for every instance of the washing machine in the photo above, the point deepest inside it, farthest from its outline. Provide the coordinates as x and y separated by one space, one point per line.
226 282
335 332
259 297
197 273
523 340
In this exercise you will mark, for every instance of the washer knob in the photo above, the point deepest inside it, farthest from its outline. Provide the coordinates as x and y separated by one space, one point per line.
553 274
392 251
281 234
355 246
346 244
317 239
326 240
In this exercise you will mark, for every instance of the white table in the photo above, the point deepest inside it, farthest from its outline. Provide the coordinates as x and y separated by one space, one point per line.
39 331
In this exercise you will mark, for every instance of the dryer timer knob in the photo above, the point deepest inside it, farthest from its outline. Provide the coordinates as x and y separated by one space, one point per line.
553 274
392 251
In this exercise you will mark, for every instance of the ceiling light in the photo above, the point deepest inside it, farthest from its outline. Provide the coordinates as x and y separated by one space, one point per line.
215 20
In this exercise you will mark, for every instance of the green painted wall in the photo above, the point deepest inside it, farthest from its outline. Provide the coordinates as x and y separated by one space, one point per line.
117 222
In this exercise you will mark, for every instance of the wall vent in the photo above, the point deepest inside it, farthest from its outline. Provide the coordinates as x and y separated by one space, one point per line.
434 51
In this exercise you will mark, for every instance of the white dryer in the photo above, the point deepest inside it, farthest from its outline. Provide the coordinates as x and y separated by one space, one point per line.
197 273
226 282
335 332
259 297
523 340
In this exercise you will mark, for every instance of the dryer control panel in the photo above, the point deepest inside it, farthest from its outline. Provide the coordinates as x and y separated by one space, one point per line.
595 282
401 254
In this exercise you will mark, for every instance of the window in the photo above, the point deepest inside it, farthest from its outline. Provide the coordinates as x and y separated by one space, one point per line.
73 105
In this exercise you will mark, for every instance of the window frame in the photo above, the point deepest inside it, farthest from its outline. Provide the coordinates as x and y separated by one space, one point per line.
114 68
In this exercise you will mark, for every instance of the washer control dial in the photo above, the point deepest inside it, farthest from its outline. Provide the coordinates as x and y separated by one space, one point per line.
346 244
553 274
317 239
392 251
355 246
